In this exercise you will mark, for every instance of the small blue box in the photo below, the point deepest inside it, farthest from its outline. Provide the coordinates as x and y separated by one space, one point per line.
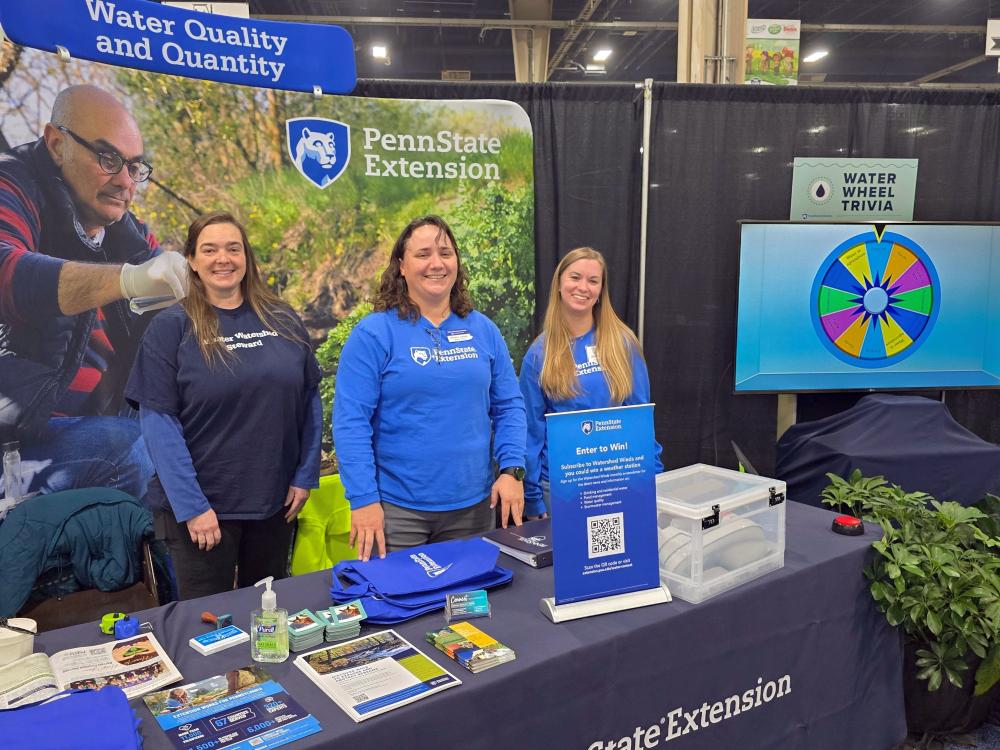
217 640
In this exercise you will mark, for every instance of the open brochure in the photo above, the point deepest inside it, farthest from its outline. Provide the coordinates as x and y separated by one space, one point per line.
137 665
242 709
373 674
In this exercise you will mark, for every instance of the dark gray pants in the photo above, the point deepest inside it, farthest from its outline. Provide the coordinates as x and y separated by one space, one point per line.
405 528
248 552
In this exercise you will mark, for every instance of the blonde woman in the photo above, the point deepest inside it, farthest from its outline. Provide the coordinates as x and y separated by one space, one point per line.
586 358
226 387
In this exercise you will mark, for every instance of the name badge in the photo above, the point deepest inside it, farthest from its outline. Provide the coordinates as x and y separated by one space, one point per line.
459 335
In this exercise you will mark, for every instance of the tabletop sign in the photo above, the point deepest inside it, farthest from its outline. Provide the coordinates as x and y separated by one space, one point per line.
842 189
149 36
601 474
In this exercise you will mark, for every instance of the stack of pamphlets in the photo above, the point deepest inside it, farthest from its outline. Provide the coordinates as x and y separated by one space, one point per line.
136 665
241 709
343 620
374 674
471 647
305 630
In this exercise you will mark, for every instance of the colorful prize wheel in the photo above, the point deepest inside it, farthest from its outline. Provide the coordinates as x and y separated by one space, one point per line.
875 299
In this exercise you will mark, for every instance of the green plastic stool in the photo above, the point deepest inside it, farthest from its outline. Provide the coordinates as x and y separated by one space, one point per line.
324 529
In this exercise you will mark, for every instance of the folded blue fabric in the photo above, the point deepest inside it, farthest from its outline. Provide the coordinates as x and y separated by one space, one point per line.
81 719
408 583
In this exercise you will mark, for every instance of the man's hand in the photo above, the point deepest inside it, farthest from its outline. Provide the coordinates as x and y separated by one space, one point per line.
294 501
204 530
162 276
510 492
368 529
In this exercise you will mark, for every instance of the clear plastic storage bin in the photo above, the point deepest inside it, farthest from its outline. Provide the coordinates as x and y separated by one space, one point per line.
717 529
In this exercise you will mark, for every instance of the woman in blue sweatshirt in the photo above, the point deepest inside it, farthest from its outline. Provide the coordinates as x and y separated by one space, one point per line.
586 358
425 386
226 386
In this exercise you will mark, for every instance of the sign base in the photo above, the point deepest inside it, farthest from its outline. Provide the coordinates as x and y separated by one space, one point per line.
602 605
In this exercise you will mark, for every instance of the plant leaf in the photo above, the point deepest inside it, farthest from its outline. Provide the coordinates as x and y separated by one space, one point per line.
934 623
934 681
989 670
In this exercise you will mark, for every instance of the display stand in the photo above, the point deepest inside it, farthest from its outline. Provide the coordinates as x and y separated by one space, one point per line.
603 605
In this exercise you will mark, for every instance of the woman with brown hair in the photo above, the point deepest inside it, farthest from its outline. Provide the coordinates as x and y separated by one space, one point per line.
585 358
425 387
226 386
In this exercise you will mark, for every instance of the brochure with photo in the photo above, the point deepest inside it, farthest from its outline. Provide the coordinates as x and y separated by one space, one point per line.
471 647
374 674
244 709
137 665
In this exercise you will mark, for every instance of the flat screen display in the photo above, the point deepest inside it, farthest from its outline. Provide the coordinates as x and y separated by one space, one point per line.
829 307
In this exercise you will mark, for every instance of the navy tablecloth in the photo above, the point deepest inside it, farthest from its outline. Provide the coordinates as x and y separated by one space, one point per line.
806 637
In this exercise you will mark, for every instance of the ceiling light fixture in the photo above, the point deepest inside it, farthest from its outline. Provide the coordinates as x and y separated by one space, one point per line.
817 55
602 54
380 52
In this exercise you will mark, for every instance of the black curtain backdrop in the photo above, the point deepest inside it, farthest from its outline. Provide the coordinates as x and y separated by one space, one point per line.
724 153
720 154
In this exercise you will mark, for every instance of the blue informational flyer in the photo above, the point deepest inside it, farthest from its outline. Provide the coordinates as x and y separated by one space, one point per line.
601 475
243 709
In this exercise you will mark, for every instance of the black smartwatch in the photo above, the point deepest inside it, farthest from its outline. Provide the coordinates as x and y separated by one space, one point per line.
515 471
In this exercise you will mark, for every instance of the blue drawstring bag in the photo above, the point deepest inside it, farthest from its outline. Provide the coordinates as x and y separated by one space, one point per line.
81 719
411 582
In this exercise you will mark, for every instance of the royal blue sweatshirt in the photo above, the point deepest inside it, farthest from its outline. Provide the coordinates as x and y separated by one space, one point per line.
593 394
417 406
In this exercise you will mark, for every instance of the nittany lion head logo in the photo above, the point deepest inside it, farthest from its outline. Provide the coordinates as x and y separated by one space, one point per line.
420 354
319 148
587 427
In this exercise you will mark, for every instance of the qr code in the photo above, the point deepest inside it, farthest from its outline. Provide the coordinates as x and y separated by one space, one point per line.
605 535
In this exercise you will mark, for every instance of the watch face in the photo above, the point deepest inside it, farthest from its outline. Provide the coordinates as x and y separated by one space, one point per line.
515 471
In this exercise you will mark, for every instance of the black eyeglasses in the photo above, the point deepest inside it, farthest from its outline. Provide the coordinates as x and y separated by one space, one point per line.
111 161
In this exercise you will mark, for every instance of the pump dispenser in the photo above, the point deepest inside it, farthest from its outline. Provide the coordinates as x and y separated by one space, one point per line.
268 627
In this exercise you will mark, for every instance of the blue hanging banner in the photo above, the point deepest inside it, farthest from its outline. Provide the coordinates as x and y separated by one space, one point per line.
601 475
159 38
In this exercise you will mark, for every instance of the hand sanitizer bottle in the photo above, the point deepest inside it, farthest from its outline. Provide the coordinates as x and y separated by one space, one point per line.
268 627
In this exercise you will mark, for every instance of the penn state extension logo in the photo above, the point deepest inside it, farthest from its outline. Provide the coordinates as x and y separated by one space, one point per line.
431 568
320 148
535 541
420 354
587 426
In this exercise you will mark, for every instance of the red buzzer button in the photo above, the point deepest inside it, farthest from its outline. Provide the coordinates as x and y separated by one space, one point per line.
848 525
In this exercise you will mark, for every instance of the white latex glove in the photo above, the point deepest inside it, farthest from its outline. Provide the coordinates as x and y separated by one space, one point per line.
166 274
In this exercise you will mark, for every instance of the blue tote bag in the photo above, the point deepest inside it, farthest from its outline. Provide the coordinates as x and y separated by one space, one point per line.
81 719
411 582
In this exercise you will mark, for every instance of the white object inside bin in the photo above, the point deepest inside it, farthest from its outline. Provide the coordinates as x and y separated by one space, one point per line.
717 529
15 645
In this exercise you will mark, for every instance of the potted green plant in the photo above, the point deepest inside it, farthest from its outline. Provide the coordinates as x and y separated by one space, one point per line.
935 576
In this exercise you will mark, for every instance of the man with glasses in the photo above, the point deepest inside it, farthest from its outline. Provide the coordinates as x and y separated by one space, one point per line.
71 256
